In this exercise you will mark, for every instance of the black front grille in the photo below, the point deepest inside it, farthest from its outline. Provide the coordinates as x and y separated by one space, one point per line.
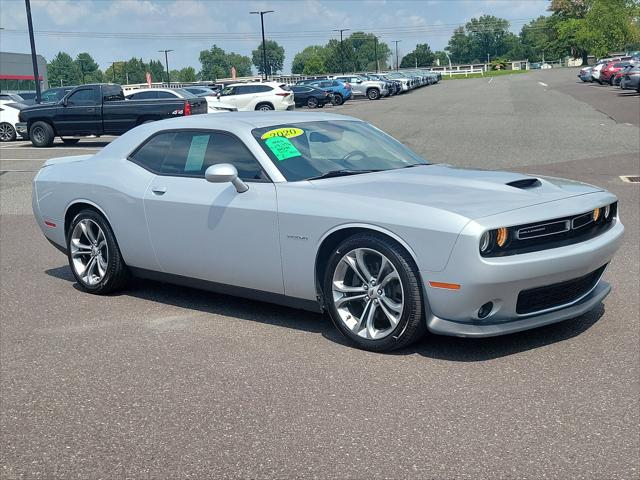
550 296
554 233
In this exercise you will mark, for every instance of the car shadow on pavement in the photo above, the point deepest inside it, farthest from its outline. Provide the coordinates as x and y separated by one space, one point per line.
482 349
432 346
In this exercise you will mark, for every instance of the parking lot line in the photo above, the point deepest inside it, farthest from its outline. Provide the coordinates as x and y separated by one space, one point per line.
543 84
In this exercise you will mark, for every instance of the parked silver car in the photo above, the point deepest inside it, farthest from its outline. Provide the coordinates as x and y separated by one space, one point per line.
372 89
328 213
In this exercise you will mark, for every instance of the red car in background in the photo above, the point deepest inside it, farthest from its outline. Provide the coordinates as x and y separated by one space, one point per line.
610 70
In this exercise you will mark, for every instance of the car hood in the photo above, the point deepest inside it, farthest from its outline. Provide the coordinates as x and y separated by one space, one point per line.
470 193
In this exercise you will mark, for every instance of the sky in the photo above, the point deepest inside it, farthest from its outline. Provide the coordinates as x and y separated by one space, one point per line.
115 30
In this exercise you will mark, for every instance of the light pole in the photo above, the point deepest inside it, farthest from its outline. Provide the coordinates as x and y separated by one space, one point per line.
341 48
34 56
446 52
264 42
375 51
166 64
397 63
113 70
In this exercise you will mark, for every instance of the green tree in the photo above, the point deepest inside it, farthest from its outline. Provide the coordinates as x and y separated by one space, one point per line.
88 68
361 50
610 26
583 27
187 74
313 53
62 70
459 46
242 64
274 57
422 56
157 71
314 66
440 58
216 63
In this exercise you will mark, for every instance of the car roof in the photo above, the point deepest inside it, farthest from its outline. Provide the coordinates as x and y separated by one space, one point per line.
271 84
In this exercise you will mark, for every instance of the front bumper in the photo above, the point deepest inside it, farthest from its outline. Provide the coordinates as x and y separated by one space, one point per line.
459 329
21 129
500 280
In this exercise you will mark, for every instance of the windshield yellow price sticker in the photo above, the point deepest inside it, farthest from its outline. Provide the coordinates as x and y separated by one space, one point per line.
282 132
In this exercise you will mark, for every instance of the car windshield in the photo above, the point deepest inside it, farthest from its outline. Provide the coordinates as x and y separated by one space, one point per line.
184 93
303 151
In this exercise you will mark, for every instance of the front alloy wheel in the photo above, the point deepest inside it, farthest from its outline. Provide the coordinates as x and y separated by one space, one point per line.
7 132
372 292
369 304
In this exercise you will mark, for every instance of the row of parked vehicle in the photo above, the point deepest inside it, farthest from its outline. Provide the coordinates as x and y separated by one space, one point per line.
620 71
101 109
341 88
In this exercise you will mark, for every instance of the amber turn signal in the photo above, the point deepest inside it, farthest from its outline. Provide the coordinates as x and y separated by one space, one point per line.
502 235
596 214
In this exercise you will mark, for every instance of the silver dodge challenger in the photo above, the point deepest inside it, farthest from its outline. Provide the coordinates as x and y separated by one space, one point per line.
328 213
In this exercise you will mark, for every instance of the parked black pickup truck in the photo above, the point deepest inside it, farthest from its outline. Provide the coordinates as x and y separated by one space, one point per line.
98 109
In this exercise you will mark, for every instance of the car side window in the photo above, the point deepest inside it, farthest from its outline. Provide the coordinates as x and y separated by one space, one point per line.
86 96
245 89
151 155
190 153
144 95
166 95
262 88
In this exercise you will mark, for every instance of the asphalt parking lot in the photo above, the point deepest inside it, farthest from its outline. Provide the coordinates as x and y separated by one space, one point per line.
167 382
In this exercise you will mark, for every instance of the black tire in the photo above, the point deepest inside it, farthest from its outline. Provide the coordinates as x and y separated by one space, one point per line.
264 107
7 132
70 141
411 325
373 94
41 134
116 272
337 99
312 102
611 80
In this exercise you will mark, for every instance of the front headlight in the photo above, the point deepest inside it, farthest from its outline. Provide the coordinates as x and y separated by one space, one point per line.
491 239
485 242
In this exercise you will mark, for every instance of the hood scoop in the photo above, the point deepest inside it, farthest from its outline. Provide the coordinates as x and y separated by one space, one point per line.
525 183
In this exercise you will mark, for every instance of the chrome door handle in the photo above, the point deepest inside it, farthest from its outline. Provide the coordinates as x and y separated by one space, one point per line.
159 190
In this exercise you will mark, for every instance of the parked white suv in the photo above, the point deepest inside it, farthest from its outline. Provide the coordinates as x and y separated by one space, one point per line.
258 96
372 89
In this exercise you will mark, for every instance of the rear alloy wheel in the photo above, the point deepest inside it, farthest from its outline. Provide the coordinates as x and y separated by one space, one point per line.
337 99
94 256
372 292
312 102
7 132
41 134
264 107
373 94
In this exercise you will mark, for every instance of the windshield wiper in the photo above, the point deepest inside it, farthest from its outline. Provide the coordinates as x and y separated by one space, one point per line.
341 173
416 165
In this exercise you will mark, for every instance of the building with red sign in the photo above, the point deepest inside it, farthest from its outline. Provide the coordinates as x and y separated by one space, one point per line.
16 72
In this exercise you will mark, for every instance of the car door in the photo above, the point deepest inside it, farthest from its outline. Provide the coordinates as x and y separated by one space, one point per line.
229 95
245 97
357 85
205 230
79 114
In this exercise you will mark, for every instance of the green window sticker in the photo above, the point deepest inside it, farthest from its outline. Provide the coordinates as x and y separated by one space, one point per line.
282 148
197 151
